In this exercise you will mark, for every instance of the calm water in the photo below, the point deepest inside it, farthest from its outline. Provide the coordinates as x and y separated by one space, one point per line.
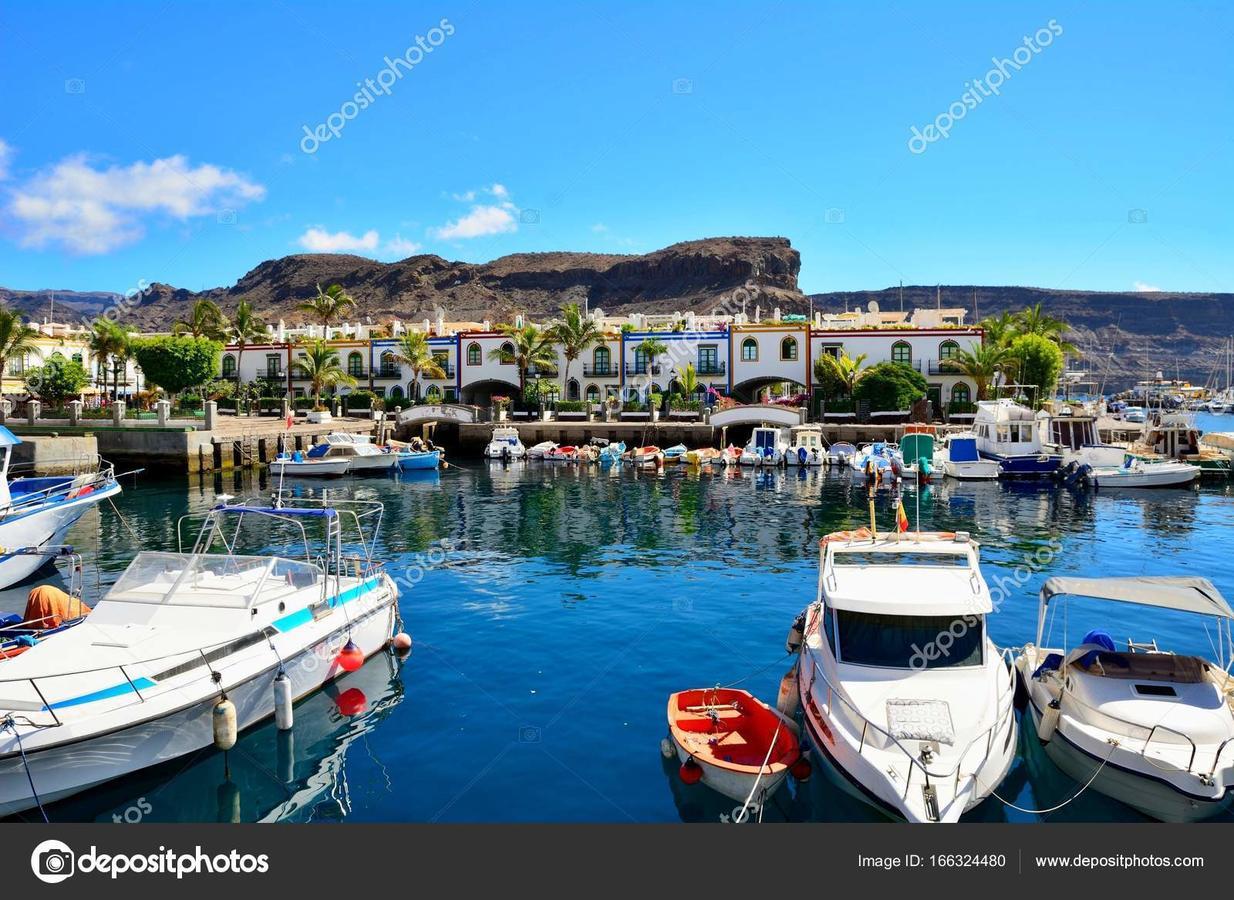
569 604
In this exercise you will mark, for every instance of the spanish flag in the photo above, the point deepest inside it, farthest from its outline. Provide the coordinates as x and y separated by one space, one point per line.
901 518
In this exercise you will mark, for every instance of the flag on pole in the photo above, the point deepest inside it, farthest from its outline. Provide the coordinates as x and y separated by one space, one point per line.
901 518
290 420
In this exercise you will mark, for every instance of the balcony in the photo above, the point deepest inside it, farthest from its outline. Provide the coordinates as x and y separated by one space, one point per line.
940 367
357 373
716 368
388 372
609 371
642 369
273 375
918 364
445 367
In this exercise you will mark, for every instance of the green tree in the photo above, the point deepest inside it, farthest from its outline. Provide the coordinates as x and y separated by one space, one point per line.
111 347
890 387
328 306
414 352
246 328
1000 330
1035 320
322 368
575 333
1039 362
981 364
205 320
529 346
838 375
687 379
177 363
16 340
57 379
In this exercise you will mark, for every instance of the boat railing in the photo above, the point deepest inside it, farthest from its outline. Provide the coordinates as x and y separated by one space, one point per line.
68 484
1005 698
1150 733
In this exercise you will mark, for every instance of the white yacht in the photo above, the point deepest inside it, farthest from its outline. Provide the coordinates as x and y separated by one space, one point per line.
765 448
958 458
506 444
907 700
1014 437
362 454
1146 726
806 446
187 649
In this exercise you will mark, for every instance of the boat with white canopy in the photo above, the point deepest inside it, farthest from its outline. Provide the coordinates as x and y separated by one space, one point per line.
1146 726
906 698
188 648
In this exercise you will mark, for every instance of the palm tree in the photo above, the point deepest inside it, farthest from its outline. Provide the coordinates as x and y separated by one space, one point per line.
843 369
529 346
328 306
1001 329
1034 320
575 333
321 366
206 320
414 352
687 380
111 347
246 328
16 340
981 364
651 348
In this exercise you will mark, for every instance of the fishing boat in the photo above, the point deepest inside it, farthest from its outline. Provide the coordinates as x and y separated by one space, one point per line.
917 452
920 727
1012 436
189 648
880 454
1221 442
540 450
674 454
417 460
1135 414
612 453
765 448
840 453
1075 437
1148 727
731 455
362 455
505 444
648 456
296 465
1174 435
704 456
732 742
806 446
37 512
566 453
958 458
1139 473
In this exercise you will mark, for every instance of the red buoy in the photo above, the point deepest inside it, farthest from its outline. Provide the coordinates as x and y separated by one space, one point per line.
350 657
352 702
801 769
690 772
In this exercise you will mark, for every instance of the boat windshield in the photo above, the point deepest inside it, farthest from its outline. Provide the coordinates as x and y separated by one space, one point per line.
910 642
935 559
223 581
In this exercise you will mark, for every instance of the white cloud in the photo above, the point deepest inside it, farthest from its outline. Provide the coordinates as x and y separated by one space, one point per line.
318 240
95 210
499 191
484 219
467 197
599 228
6 154
1144 287
401 248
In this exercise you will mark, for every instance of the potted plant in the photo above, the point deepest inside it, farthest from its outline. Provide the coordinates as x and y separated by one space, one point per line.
634 411
501 404
610 408
656 401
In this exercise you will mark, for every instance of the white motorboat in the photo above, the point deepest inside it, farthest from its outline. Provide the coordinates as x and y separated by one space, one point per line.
505 444
806 446
907 700
1139 473
1013 436
361 454
1135 414
840 453
1075 437
296 465
1150 728
541 450
916 450
765 448
36 513
187 649
959 459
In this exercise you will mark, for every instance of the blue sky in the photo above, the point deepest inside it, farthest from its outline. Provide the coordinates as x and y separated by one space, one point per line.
165 142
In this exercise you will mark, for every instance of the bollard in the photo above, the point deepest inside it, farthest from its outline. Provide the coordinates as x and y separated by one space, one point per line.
74 411
117 413
164 410
6 410
286 408
212 410
33 409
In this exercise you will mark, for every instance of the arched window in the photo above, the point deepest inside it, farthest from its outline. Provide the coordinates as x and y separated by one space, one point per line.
355 364
948 350
474 354
77 359
396 393
960 393
788 348
601 359
572 389
593 394
902 352
507 353
389 369
749 350
433 394
229 365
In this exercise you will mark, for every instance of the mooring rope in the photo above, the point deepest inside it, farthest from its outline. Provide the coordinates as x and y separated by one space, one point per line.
1043 812
11 725
745 807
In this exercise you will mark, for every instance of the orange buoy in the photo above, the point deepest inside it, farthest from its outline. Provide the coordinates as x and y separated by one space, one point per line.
350 657
402 642
690 772
801 769
352 702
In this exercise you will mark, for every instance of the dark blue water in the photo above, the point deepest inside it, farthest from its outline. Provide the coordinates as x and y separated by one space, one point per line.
564 606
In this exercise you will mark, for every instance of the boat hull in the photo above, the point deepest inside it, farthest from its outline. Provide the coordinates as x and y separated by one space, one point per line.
323 468
42 527
1036 465
413 462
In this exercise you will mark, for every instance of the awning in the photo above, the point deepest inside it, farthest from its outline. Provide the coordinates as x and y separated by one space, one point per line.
1186 593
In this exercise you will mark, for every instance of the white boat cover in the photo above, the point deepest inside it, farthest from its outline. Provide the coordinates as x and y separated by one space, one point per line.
1186 593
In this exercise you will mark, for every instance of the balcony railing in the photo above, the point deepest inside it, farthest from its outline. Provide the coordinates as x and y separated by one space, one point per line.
918 364
272 375
940 367
716 368
642 369
388 372
357 373
609 371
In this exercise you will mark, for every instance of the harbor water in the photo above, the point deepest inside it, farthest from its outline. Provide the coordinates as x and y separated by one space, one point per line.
553 610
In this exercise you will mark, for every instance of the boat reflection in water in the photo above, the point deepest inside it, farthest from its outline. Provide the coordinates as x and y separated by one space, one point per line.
269 776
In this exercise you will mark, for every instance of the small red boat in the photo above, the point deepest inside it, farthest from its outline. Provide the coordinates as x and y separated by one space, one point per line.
562 454
733 742
647 456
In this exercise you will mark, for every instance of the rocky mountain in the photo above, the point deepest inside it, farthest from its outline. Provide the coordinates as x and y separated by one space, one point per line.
1125 336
